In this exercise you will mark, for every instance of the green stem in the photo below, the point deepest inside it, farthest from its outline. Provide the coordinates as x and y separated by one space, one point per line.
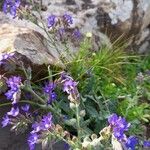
36 95
32 103
78 121
49 76
5 104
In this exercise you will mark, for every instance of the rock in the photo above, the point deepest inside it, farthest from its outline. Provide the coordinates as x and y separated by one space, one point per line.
109 19
26 42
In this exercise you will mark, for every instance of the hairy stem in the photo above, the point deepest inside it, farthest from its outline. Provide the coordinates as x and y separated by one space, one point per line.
78 121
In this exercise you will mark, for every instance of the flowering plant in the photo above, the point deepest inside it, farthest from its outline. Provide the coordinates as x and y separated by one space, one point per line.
54 109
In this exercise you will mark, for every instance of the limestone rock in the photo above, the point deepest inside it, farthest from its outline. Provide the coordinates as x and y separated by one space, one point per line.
28 45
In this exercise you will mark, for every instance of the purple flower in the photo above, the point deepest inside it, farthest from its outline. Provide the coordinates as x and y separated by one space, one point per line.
13 112
67 19
32 140
46 122
146 144
69 85
119 126
122 124
11 6
14 82
25 108
49 90
51 21
13 10
6 121
9 94
17 3
61 31
5 56
36 127
76 34
131 143
52 97
49 87
5 6
119 134
113 119
14 93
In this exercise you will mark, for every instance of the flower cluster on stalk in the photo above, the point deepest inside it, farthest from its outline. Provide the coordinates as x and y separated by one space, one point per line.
119 126
14 112
38 127
14 83
60 25
11 6
49 91
70 87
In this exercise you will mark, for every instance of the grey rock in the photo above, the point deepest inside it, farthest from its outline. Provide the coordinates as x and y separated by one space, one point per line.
27 41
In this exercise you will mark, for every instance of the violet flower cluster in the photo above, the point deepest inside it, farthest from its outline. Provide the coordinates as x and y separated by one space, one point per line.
5 56
70 87
67 19
14 83
11 6
61 24
38 127
14 112
49 91
146 144
52 20
119 126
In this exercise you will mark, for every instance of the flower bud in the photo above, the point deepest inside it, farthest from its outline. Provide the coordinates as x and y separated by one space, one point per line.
74 139
58 128
72 105
86 142
93 136
82 113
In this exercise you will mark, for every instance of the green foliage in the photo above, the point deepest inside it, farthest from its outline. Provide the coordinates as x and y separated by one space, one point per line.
96 72
107 83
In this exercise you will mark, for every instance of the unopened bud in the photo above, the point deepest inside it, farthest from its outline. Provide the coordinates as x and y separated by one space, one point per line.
58 128
82 113
93 136
74 139
72 105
